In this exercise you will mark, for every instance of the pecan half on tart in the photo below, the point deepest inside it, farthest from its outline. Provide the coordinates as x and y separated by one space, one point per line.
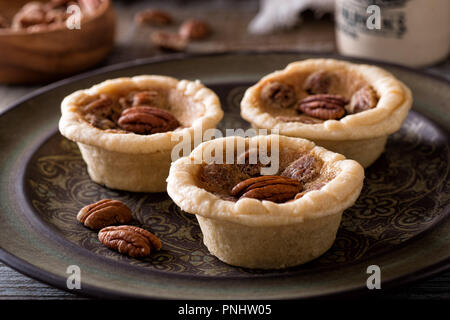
126 128
347 108
268 221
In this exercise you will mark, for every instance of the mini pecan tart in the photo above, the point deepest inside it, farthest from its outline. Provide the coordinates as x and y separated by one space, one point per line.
126 128
347 108
252 220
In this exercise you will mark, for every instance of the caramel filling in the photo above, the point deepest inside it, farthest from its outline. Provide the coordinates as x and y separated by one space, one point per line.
140 112
315 97
299 173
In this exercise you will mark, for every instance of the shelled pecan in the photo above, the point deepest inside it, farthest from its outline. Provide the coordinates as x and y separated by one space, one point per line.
102 112
362 100
272 188
151 98
147 120
32 13
129 240
194 29
278 95
154 17
248 162
168 41
323 106
104 213
304 169
89 6
319 82
101 106
55 16
3 22
38 16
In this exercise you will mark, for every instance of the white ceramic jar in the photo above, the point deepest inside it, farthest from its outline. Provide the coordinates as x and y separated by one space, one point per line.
412 32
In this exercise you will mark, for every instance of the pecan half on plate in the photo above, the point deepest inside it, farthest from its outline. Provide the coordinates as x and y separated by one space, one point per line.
272 188
194 29
104 213
323 106
147 120
169 41
130 240
154 17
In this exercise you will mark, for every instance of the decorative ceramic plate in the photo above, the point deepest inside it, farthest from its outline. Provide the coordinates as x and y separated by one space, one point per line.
398 222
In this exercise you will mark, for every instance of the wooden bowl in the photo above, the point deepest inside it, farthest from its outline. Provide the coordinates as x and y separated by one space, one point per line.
32 57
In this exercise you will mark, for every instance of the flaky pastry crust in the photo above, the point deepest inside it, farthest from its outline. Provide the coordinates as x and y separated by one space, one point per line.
394 102
74 127
128 161
338 194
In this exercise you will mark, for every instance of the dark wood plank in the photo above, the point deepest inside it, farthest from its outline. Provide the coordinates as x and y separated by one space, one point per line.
14 285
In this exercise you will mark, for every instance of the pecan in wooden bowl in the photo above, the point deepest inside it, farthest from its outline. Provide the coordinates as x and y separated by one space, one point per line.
126 128
257 213
344 107
46 40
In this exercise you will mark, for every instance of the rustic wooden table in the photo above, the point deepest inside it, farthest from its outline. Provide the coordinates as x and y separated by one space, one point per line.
229 19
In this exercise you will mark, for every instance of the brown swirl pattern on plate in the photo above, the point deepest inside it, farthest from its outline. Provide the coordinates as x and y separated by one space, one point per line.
404 194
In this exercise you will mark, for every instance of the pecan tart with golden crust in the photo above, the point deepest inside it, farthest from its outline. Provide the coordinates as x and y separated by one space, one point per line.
266 221
126 128
347 108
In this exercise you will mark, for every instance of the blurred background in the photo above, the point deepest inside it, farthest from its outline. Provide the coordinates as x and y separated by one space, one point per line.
42 43
40 47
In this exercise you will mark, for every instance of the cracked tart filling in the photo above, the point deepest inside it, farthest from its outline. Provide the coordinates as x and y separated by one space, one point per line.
141 112
317 96
299 172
